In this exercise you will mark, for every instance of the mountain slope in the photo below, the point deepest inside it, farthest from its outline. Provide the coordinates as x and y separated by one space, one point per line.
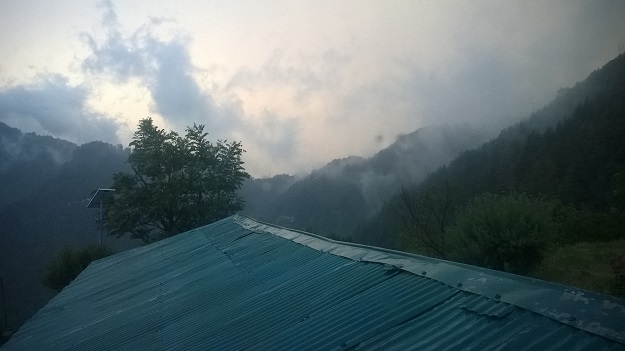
336 198
46 184
320 201
27 160
572 157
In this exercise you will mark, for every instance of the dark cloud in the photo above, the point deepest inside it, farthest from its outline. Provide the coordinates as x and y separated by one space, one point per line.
598 30
175 92
164 67
486 90
116 57
513 63
53 106
109 17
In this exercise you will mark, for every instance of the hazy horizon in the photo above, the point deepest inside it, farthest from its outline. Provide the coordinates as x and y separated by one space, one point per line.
301 83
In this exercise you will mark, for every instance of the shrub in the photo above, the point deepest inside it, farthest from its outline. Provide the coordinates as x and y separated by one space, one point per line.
69 263
618 282
508 232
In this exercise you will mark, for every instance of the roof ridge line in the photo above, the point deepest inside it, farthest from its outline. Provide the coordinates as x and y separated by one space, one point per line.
569 305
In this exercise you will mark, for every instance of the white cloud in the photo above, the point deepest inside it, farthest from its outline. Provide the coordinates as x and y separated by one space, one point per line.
301 83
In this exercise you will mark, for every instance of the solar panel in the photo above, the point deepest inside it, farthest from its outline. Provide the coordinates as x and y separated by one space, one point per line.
100 196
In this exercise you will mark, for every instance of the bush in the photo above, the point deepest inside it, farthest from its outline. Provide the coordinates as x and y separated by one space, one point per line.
618 282
586 265
508 232
69 263
585 225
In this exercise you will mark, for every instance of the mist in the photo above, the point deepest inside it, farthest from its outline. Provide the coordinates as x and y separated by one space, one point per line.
298 85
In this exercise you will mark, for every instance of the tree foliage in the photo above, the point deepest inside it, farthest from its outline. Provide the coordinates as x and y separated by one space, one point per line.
425 215
508 232
618 267
69 263
179 183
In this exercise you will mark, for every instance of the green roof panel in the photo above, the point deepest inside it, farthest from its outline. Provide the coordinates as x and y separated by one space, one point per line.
239 284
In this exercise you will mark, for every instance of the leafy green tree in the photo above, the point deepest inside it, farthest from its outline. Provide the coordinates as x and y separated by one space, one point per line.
508 232
179 183
69 263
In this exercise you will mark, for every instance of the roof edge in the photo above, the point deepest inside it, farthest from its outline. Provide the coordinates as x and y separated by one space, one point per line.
573 306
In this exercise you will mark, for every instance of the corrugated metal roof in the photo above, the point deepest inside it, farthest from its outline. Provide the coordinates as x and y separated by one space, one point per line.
239 284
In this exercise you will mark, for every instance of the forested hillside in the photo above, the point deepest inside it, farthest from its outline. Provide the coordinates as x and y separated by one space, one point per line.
27 161
259 193
335 199
575 163
46 184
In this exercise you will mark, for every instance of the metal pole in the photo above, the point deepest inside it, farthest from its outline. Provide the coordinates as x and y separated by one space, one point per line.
101 210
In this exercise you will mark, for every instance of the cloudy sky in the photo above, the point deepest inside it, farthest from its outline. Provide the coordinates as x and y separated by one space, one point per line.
298 82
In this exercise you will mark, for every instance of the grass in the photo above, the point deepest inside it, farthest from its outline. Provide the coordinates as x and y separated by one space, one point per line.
583 265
